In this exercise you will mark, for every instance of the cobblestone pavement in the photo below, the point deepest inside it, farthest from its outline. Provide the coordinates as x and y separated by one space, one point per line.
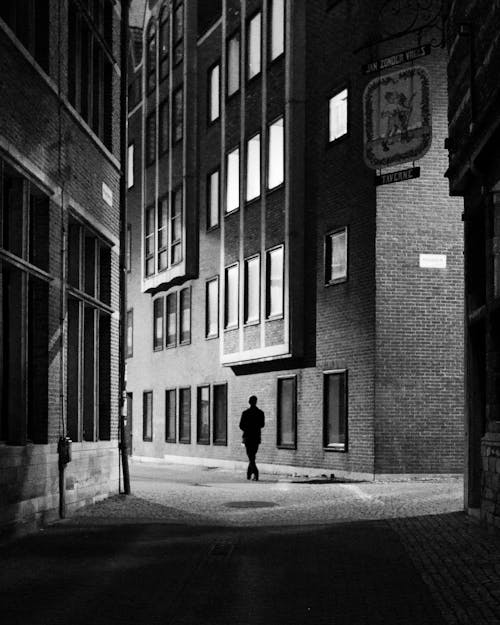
207 547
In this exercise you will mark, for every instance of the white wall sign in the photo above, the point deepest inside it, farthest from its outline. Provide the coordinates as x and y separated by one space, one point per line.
107 194
433 261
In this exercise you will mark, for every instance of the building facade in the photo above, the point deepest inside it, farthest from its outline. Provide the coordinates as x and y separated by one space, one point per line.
474 174
264 258
59 255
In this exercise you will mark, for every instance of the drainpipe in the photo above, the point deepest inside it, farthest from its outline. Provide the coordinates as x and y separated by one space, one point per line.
123 239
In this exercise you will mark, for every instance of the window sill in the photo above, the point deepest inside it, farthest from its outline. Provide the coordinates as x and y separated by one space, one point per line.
220 443
337 448
231 212
212 228
253 200
171 441
275 317
182 343
213 122
203 442
211 337
157 349
279 186
249 324
336 281
231 328
185 442
173 346
147 440
289 447
272 62
254 78
233 95
337 140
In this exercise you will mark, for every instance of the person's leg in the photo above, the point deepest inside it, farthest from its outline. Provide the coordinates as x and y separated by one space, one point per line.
255 470
252 467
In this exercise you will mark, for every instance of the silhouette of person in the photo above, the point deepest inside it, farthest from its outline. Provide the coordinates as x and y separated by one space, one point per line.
251 422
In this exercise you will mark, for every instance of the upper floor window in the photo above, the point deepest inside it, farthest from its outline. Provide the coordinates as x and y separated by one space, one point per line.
128 249
151 138
254 46
277 28
276 154
274 286
231 297
158 323
252 290
213 203
162 234
338 115
185 316
130 334
164 42
171 319
130 166
149 241
164 122
214 93
178 115
151 56
178 33
29 20
233 180
233 64
336 256
253 168
212 308
176 227
335 410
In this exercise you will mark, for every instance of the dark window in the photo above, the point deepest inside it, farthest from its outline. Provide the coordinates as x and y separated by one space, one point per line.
208 14
164 43
178 33
233 64
151 57
220 414
147 416
29 20
178 115
287 410
336 256
203 416
149 241
184 415
163 147
170 416
151 138
176 227
158 323
212 308
172 320
335 410
130 334
185 316
162 234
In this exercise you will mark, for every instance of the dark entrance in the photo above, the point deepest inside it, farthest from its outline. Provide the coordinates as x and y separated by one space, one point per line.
128 426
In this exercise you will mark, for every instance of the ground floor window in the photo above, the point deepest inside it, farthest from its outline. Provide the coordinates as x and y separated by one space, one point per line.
287 412
220 414
184 415
335 410
147 416
203 416
170 414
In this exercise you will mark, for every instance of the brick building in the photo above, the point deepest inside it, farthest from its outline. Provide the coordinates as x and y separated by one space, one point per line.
264 259
59 253
474 174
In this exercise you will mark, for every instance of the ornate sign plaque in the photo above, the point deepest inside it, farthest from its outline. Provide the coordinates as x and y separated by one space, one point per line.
397 118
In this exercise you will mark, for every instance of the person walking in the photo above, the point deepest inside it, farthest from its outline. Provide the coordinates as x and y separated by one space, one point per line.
251 423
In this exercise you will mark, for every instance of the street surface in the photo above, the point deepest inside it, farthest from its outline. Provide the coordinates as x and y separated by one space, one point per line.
204 546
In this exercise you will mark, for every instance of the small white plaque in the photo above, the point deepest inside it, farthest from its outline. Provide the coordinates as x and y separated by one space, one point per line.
433 261
107 194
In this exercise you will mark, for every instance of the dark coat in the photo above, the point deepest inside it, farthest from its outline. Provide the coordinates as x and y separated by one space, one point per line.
251 422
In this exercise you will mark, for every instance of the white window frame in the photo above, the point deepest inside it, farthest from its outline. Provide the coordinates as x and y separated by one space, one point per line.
338 117
276 153
273 312
208 301
254 318
231 299
334 240
253 168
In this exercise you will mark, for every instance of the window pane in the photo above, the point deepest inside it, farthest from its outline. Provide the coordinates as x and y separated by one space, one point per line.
185 316
176 228
233 64
338 115
90 265
277 28
13 188
130 333
149 241
163 127
38 229
151 58
253 167
171 319
286 412
275 173
335 410
185 415
89 374
275 282
177 121
254 53
170 434
213 200
252 289
150 139
231 297
337 256
162 234
130 166
214 99
233 180
147 416
212 308
158 324
128 250
203 416
220 414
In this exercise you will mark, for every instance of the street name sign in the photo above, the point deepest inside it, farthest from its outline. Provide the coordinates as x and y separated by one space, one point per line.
398 176
396 59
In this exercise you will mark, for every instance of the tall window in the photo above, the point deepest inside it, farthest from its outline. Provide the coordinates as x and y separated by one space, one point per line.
185 316
233 64
130 334
253 168
212 308
287 409
163 139
336 256
254 46
24 309
149 241
203 415
176 227
178 33
338 115
151 138
29 20
214 93
233 180
213 204
252 289
151 57
274 286
162 234
178 115
171 320
335 410
184 415
277 28
164 42
89 335
231 297
220 414
276 154
130 166
170 416
90 64
147 416
128 250
158 323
